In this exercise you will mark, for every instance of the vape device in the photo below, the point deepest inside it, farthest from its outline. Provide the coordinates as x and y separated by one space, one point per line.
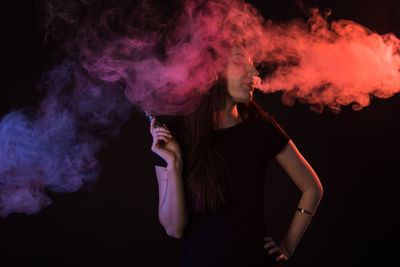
160 120
150 117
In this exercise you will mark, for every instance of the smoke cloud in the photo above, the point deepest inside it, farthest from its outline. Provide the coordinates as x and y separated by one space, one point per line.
331 64
160 57
54 147
319 63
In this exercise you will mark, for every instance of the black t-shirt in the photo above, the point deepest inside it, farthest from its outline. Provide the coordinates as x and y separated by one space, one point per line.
235 235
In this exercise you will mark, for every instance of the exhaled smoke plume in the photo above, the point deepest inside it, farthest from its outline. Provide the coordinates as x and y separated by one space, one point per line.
161 56
330 64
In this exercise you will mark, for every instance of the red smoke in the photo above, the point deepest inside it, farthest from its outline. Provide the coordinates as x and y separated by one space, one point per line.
336 64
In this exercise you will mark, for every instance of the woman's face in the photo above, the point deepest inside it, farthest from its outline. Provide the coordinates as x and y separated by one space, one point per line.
241 75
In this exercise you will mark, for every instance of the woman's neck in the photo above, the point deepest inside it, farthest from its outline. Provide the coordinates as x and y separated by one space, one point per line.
228 117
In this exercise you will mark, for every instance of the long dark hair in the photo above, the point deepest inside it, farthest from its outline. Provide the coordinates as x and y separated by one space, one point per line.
206 170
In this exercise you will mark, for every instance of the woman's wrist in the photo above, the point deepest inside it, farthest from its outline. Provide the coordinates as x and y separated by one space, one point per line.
175 163
287 253
286 249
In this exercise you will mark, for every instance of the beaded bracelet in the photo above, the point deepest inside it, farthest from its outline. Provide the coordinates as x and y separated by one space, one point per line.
304 211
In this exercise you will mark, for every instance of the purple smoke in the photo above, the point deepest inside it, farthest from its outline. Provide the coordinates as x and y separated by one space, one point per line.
54 148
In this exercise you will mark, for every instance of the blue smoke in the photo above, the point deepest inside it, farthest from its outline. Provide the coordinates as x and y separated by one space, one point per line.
54 147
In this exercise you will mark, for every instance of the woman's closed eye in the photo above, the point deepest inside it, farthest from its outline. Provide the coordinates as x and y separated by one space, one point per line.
240 59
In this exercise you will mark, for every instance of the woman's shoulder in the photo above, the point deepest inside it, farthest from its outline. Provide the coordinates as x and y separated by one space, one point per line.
267 125
261 120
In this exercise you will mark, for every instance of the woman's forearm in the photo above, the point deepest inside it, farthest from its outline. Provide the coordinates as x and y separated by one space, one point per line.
308 201
173 212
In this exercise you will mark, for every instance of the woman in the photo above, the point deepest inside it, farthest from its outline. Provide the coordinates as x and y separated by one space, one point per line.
210 167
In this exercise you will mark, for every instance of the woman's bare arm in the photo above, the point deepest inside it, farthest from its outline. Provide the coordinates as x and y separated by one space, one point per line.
172 210
309 184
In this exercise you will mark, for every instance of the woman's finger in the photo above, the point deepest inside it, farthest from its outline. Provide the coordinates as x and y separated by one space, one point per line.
163 134
153 125
162 138
280 258
269 244
273 250
267 238
159 130
162 130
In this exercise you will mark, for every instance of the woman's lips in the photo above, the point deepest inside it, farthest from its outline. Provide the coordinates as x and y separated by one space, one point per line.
249 86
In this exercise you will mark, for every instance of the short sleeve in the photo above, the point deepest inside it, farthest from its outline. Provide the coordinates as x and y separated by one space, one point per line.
277 138
158 161
173 126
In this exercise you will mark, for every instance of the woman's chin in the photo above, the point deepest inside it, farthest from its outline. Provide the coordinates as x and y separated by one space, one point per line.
249 97
244 98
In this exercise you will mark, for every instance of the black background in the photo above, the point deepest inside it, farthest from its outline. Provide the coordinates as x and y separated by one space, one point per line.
355 154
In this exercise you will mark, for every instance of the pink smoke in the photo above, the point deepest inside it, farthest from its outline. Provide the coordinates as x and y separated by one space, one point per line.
319 63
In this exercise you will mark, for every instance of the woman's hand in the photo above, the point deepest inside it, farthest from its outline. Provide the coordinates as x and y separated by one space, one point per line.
164 144
283 255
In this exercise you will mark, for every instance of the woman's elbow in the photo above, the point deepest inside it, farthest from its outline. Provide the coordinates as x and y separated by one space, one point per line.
318 191
315 189
174 232
175 229
319 188
315 185
175 235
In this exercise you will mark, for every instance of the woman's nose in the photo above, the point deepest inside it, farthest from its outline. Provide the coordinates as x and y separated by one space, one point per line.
253 71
